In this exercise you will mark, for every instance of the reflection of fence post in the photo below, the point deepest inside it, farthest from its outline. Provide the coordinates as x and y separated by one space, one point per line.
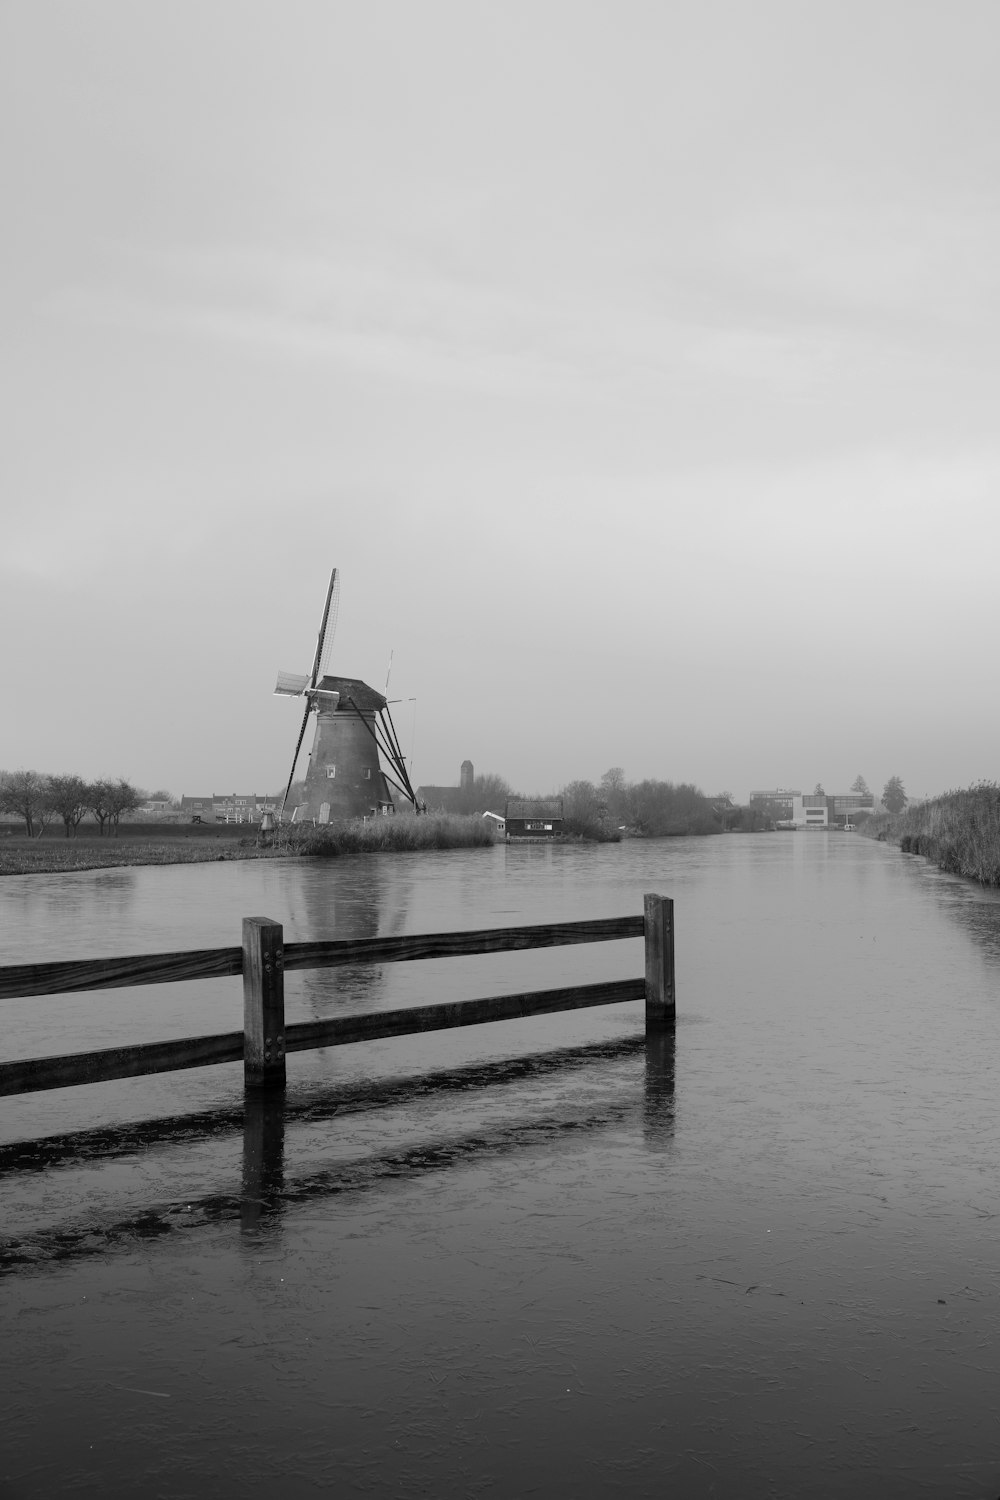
658 1095
263 1154
658 928
263 1003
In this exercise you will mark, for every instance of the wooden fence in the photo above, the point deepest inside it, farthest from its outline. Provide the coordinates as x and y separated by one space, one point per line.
263 960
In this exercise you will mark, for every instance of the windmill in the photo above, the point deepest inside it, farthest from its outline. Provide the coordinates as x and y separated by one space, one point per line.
353 727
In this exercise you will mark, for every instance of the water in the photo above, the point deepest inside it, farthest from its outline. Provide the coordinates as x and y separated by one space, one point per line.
539 1257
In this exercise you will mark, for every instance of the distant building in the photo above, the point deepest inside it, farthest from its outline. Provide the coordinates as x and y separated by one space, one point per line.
533 818
499 823
845 804
779 802
810 812
450 799
446 799
814 810
228 807
824 811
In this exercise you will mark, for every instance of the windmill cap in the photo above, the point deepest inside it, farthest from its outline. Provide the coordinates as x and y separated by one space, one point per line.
353 693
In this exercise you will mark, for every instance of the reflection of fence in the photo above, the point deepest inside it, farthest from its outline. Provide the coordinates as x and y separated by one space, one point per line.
263 960
263 1116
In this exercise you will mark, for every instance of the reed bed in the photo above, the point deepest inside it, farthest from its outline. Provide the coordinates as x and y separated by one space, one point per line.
959 832
379 835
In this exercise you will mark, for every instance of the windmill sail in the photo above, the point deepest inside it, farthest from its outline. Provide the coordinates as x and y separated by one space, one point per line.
324 641
295 760
293 684
298 685
329 629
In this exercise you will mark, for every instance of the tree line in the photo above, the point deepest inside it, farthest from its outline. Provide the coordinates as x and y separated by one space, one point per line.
651 807
40 799
605 809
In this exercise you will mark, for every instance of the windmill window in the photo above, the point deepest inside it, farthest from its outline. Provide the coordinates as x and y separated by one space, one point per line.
331 772
367 773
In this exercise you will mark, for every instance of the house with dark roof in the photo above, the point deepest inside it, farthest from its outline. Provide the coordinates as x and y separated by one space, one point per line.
534 818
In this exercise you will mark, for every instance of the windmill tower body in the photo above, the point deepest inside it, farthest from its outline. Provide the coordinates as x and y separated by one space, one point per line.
344 779
353 724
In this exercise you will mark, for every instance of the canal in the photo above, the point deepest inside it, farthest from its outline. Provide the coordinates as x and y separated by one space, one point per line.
534 1258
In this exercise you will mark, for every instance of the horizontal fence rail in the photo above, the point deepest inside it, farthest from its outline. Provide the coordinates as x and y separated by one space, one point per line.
264 958
33 1073
343 1029
77 977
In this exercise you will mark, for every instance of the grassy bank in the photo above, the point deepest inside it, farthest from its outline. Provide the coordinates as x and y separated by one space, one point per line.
20 855
959 832
39 857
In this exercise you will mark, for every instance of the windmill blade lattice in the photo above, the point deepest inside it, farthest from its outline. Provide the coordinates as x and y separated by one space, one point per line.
328 628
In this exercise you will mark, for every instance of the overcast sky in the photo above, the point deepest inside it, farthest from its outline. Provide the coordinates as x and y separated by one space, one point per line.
637 364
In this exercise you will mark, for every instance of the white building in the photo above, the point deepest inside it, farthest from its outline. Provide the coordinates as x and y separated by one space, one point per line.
810 811
838 811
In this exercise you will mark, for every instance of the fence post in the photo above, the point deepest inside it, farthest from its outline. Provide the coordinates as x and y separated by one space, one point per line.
658 928
263 1003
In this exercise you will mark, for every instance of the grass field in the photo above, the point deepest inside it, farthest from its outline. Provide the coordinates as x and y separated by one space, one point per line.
198 843
20 855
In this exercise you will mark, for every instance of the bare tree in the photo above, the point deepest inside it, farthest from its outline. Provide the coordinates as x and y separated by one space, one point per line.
26 794
69 798
122 797
659 808
98 800
614 791
582 808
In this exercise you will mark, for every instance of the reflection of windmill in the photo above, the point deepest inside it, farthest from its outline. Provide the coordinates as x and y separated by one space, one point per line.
353 724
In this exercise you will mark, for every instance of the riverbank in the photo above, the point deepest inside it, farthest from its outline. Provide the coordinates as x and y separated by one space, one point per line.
24 856
959 832
177 844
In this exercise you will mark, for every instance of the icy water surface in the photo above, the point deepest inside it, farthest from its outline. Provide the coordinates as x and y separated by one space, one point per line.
538 1258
